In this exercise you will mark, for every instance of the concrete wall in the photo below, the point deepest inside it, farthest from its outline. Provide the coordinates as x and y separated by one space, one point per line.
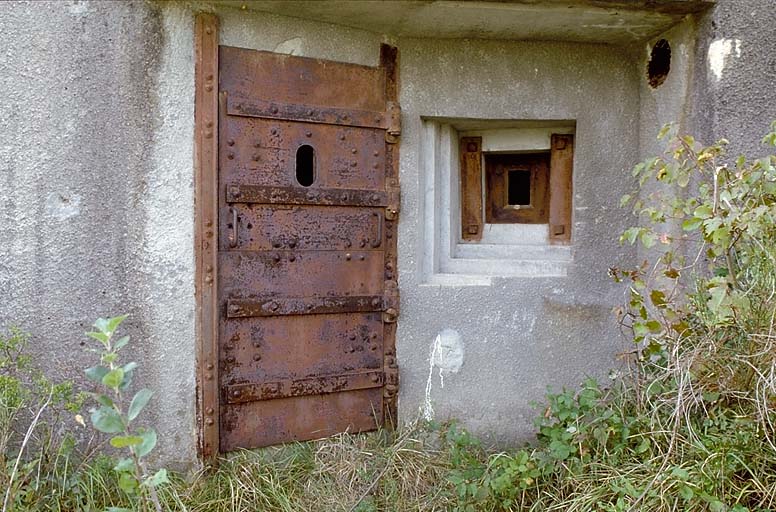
96 208
97 190
515 336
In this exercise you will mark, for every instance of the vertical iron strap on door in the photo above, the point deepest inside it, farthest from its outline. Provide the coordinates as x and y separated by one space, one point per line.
206 246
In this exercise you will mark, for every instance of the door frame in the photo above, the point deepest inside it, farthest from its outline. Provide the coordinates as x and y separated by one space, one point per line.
205 231
206 105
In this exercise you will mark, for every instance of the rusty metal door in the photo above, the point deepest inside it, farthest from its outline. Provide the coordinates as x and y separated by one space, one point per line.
308 199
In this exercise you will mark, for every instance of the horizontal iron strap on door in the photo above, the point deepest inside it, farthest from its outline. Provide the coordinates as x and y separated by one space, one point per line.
242 308
236 106
292 195
241 393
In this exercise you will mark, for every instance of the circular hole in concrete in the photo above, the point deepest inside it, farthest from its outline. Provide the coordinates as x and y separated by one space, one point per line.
659 63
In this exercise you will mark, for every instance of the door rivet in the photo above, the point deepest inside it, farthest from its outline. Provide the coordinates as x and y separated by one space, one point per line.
375 377
236 393
354 151
309 134
375 302
342 137
208 376
255 157
209 421
230 359
348 256
274 306
375 197
353 163
292 258
209 410
292 244
376 153
276 258
230 156
230 142
209 366
257 357
352 337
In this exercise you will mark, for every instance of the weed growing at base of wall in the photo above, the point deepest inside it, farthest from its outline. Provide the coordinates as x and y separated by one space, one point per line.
693 425
111 417
32 407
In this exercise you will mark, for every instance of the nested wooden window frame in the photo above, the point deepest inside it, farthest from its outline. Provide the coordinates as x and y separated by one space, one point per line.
559 197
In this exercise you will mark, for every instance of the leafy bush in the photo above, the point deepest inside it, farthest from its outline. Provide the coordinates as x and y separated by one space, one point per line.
692 426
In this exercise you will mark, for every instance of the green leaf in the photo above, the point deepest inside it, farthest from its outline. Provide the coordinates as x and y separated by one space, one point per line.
113 378
118 509
691 224
102 325
99 336
658 298
664 131
648 239
139 401
625 200
114 322
686 492
96 373
129 371
158 478
703 211
120 343
128 483
149 441
680 473
107 420
125 464
124 441
104 400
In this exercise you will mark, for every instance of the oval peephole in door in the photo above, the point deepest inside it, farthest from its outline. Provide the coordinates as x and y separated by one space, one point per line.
305 165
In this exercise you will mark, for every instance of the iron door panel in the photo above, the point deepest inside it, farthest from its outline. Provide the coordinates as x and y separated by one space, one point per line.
263 152
301 228
247 274
298 80
282 420
258 349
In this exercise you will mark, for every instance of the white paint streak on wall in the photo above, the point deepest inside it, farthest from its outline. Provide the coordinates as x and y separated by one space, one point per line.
447 356
719 53
62 206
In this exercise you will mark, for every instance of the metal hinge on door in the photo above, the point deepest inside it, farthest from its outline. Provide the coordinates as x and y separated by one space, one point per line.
393 118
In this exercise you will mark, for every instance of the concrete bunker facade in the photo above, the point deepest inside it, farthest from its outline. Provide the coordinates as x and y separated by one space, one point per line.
99 196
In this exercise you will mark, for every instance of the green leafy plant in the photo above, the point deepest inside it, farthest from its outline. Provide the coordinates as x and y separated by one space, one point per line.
114 417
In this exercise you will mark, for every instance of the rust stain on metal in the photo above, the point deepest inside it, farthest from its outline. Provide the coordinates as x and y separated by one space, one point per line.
206 251
308 200
240 308
241 393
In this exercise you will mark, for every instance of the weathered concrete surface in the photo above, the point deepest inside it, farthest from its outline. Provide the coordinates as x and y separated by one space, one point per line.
96 117
519 335
618 22
96 170
733 94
